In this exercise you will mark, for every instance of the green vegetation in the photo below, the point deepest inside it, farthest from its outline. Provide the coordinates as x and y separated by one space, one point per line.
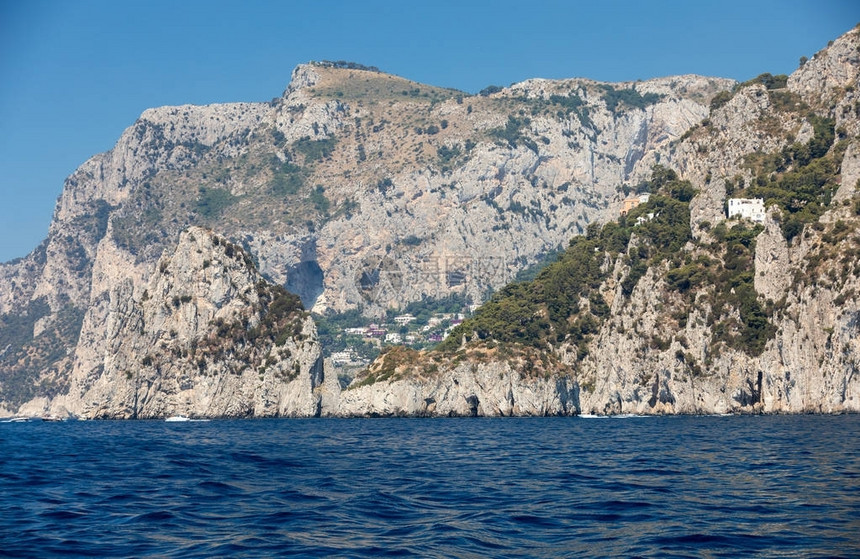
278 137
451 157
558 106
721 99
25 359
384 185
212 201
725 284
489 90
282 320
315 150
770 82
733 288
530 273
287 178
564 303
319 200
446 154
800 179
786 101
16 330
514 133
95 221
138 229
389 366
572 104
629 97
345 65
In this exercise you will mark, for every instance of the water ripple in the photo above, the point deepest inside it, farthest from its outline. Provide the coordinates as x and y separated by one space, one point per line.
673 487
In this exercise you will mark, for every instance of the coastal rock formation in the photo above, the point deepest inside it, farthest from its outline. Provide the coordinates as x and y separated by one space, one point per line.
207 337
641 361
360 190
401 383
738 319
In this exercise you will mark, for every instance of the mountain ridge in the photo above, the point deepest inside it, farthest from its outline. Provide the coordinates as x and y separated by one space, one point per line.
353 175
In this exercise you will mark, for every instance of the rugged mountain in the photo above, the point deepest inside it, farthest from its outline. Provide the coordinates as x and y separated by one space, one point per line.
360 189
351 176
208 336
673 308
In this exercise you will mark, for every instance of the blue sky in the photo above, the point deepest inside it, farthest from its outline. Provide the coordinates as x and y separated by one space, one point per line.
73 75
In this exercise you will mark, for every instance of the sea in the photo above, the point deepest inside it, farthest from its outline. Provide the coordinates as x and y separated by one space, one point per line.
731 486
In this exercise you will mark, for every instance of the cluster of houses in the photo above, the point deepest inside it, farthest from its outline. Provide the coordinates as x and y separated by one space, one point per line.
404 329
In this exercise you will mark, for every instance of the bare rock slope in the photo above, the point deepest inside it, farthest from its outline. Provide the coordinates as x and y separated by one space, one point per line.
207 337
117 314
674 308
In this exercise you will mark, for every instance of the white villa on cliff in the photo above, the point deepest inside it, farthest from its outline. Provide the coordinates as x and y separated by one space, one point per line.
747 208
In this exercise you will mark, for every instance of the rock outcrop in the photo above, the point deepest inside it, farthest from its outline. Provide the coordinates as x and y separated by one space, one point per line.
405 383
207 337
641 361
353 175
669 345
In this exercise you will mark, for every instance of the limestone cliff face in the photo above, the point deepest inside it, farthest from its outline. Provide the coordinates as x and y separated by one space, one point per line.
473 193
501 193
402 383
639 363
207 337
488 390
811 364
655 353
354 175
349 171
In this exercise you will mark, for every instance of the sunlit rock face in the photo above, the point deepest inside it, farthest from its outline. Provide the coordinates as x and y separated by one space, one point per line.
353 175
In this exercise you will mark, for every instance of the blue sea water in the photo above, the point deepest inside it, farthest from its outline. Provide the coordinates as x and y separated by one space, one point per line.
770 486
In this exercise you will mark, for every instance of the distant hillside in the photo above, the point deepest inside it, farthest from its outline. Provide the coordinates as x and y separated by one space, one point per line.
672 308
365 193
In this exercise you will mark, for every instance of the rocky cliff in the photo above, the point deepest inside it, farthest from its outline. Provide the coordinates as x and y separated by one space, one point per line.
353 176
673 308
206 337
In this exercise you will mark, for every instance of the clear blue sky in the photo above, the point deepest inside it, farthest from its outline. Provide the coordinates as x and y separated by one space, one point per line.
74 74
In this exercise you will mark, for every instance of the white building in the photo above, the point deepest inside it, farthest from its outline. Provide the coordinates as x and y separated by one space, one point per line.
346 357
404 319
747 208
393 338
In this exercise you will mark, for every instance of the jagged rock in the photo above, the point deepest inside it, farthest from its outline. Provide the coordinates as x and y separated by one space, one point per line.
353 170
811 363
850 175
834 67
486 390
208 337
